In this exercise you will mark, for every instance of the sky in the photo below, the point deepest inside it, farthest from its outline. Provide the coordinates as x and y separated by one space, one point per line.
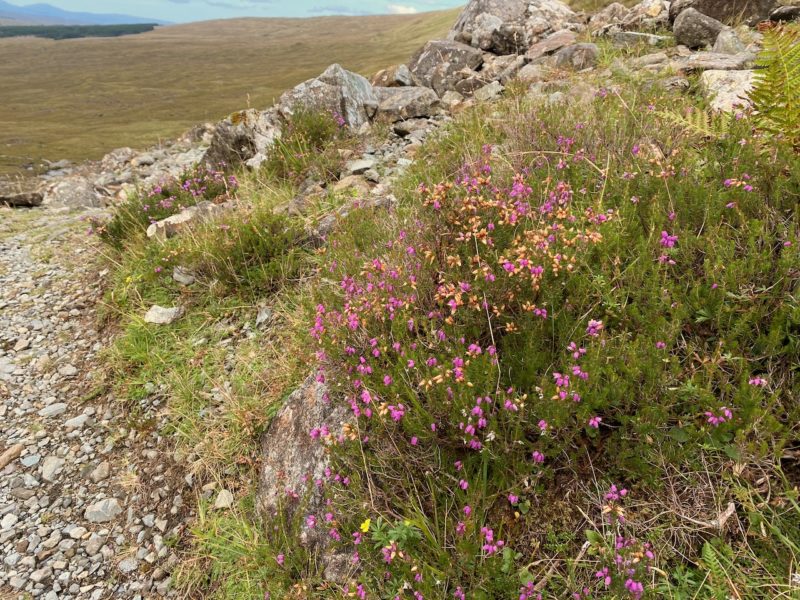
197 10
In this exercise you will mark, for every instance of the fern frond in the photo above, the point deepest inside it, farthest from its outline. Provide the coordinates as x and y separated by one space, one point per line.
776 86
699 123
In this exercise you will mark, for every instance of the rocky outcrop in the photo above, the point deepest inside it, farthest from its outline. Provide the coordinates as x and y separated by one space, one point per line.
508 26
437 64
336 91
730 12
295 456
244 137
578 57
694 29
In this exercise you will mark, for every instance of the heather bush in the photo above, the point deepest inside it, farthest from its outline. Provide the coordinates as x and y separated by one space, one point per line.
133 216
565 299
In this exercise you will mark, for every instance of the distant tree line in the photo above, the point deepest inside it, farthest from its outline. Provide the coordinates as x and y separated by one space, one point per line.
66 32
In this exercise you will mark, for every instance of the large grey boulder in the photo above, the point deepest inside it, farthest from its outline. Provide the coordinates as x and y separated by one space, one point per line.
399 103
507 26
244 137
727 90
730 12
295 456
728 42
73 191
336 91
437 64
693 29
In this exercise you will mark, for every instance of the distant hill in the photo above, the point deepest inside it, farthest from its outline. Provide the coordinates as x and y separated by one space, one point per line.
78 99
45 14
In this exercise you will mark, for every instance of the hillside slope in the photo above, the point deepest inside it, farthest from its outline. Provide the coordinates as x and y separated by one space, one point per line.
77 99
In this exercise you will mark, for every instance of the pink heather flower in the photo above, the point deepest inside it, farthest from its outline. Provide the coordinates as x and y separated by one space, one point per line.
542 425
537 457
414 441
594 328
758 381
604 576
667 240
660 345
458 465
387 380
280 559
512 499
311 521
463 484
459 594
615 493
635 588
467 510
594 422
461 528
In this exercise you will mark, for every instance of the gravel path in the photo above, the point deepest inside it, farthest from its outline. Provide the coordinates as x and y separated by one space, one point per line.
90 500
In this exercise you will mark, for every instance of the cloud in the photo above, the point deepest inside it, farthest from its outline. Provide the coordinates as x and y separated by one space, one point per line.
401 9
233 4
336 9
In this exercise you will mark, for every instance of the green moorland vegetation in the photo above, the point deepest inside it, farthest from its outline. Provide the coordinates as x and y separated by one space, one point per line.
572 346
78 99
69 32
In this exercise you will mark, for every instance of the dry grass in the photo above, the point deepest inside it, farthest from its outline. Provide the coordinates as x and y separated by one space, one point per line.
78 99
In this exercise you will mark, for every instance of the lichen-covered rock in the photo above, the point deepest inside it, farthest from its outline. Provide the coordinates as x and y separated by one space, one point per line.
648 14
507 26
730 12
578 56
437 64
244 137
614 13
193 215
396 76
395 104
727 90
336 91
293 459
551 44
73 191
693 29
728 42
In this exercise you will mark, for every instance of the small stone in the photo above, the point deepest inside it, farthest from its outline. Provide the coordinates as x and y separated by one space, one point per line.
159 315
103 511
182 276
68 371
10 454
358 167
30 460
100 472
22 344
224 499
51 467
59 408
76 422
93 544
128 565
8 521
77 533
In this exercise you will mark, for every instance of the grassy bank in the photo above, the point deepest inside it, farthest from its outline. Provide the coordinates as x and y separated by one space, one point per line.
571 353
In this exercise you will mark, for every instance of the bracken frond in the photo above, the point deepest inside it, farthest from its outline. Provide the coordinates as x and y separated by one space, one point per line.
776 90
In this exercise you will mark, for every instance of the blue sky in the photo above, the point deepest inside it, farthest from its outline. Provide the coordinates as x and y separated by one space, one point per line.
196 10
